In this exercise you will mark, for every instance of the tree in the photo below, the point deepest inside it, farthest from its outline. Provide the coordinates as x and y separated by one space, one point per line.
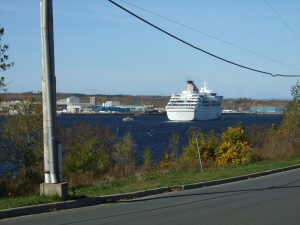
174 145
290 128
258 136
124 152
86 148
279 141
22 135
207 142
147 162
22 143
295 91
190 152
4 64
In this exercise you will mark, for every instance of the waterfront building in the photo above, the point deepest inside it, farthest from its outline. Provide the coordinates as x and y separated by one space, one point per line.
266 109
111 104
93 101
72 105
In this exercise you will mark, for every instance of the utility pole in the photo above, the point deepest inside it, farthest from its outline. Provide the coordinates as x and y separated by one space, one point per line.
196 133
51 167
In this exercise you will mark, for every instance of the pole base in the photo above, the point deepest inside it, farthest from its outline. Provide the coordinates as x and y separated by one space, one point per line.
60 189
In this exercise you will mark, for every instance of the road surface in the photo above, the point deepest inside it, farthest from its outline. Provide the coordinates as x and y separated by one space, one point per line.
273 199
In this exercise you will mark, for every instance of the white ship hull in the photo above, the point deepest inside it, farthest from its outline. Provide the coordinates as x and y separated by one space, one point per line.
189 114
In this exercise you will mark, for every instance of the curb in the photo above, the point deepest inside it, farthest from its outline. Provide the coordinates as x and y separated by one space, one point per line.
71 204
239 178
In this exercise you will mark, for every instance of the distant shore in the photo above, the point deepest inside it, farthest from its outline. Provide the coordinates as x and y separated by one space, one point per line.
141 114
110 114
249 113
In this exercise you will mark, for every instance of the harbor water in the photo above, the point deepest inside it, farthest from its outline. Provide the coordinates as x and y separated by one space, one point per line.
155 130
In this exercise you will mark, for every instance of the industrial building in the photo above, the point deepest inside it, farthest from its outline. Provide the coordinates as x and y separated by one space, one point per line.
73 105
266 109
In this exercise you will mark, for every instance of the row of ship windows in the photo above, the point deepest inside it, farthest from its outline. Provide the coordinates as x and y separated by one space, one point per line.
186 101
197 99
194 104
198 96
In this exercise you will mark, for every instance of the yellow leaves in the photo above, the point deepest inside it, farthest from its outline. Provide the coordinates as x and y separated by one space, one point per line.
166 161
207 142
234 149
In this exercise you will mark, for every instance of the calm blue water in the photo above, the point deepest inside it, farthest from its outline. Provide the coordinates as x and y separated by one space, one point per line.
155 130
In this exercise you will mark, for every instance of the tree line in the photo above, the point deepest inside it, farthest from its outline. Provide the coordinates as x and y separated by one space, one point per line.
155 101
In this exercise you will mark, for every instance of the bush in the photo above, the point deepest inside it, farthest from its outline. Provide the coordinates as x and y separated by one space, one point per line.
283 141
207 142
124 153
148 162
22 147
86 148
234 149
166 160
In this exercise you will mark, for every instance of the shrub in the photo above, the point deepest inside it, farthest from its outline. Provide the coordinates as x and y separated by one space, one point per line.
283 141
123 154
147 163
166 161
86 148
234 149
207 142
174 141
22 146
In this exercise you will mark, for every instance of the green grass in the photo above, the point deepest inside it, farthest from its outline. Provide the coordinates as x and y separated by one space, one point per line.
152 180
7 203
178 177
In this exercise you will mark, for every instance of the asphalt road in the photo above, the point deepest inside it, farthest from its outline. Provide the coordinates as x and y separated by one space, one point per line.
273 199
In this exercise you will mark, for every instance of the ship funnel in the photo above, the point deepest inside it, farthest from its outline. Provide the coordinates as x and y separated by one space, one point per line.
190 86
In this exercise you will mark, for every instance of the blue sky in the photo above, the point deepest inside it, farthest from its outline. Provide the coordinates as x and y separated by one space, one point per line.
100 49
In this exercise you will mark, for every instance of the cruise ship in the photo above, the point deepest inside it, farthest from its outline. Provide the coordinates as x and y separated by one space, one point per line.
192 104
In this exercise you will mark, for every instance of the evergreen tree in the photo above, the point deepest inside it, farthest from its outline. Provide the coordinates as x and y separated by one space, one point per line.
4 57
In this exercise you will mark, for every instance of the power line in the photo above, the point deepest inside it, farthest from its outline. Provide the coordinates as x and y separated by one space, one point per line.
199 49
282 20
211 36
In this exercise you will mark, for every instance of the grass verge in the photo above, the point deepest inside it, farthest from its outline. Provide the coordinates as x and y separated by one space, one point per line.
14 202
144 181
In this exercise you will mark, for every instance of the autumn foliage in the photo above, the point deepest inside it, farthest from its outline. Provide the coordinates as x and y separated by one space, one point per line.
234 148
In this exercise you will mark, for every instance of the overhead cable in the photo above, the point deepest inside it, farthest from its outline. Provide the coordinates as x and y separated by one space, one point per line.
199 49
282 20
211 36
